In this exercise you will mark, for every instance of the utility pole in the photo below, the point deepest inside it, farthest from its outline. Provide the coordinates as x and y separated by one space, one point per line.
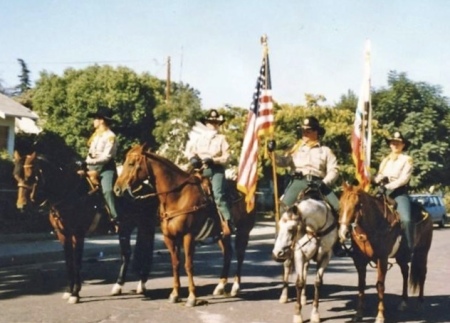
168 81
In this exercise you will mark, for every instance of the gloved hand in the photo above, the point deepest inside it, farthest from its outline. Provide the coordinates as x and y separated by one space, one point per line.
271 145
208 162
381 190
196 162
384 180
81 164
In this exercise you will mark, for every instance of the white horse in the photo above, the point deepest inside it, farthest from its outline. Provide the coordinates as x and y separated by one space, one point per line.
306 231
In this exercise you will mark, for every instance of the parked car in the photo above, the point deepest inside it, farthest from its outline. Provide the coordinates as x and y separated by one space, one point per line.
434 205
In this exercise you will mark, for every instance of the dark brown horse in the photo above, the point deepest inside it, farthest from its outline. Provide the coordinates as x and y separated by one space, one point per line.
185 211
376 236
74 212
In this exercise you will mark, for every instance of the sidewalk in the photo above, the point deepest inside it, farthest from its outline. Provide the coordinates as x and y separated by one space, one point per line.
21 249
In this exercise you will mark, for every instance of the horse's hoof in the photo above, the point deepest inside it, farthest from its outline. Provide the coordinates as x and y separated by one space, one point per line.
283 299
173 299
297 319
66 295
141 289
73 300
116 290
190 302
315 318
303 300
235 290
219 290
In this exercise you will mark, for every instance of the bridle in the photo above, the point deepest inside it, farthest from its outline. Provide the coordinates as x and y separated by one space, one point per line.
40 180
136 164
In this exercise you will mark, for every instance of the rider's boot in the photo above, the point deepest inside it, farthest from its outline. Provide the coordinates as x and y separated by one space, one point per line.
338 249
93 180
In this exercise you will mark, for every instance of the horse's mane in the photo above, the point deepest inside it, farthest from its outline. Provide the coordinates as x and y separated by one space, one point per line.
377 204
49 145
143 149
168 163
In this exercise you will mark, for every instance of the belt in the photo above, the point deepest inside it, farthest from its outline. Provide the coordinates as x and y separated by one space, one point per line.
308 177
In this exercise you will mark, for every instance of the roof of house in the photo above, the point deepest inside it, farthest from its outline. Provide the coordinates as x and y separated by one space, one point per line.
11 108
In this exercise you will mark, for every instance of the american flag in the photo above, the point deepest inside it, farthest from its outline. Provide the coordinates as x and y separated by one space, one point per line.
362 131
259 123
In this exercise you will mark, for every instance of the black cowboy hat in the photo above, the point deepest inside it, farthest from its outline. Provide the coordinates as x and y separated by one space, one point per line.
102 112
313 124
397 136
213 116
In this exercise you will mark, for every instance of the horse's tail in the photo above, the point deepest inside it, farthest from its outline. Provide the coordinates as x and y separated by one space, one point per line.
418 271
419 259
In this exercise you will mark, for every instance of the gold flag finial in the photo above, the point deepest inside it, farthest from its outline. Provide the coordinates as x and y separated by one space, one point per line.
264 40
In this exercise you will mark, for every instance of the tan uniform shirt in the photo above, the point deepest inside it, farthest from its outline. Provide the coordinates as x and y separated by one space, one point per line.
397 168
315 160
207 146
102 147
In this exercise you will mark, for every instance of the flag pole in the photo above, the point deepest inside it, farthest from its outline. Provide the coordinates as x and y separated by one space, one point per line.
272 154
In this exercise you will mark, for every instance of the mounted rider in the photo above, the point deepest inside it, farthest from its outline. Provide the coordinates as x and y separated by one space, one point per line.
100 160
208 149
393 176
311 163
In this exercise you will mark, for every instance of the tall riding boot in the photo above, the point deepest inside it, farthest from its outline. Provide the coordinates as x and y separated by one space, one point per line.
93 177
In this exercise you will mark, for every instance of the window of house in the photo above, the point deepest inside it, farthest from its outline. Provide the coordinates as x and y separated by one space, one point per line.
4 130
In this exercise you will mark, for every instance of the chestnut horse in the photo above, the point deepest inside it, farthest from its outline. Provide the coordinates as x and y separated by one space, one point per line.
376 236
186 209
306 231
74 212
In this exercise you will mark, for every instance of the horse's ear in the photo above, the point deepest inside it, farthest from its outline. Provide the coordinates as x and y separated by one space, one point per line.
32 155
294 209
16 156
345 185
144 146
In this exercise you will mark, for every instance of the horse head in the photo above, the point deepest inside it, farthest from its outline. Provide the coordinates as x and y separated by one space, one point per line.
349 209
309 219
28 175
288 227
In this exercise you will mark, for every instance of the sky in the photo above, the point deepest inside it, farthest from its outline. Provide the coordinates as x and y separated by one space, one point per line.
315 46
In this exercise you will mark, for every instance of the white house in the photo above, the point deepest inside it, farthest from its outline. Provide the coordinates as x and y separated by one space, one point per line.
14 117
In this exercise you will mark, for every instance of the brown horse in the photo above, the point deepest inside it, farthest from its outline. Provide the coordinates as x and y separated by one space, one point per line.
376 236
73 212
185 211
52 182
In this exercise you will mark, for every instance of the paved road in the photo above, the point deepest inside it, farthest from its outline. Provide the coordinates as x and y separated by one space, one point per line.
32 278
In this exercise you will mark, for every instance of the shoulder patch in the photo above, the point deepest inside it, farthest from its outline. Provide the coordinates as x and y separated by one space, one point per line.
111 138
410 160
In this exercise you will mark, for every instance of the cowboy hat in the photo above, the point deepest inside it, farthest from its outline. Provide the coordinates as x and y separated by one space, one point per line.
213 117
102 112
313 124
397 136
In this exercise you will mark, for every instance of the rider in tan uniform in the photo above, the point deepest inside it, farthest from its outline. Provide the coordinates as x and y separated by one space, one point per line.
208 148
100 159
311 163
393 176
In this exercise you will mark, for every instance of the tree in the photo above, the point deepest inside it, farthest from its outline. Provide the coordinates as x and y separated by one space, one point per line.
174 121
64 102
24 77
421 113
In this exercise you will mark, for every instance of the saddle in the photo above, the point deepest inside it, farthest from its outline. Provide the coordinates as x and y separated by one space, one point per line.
206 186
93 178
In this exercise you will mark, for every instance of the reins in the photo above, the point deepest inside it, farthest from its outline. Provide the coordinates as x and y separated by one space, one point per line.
189 180
362 237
